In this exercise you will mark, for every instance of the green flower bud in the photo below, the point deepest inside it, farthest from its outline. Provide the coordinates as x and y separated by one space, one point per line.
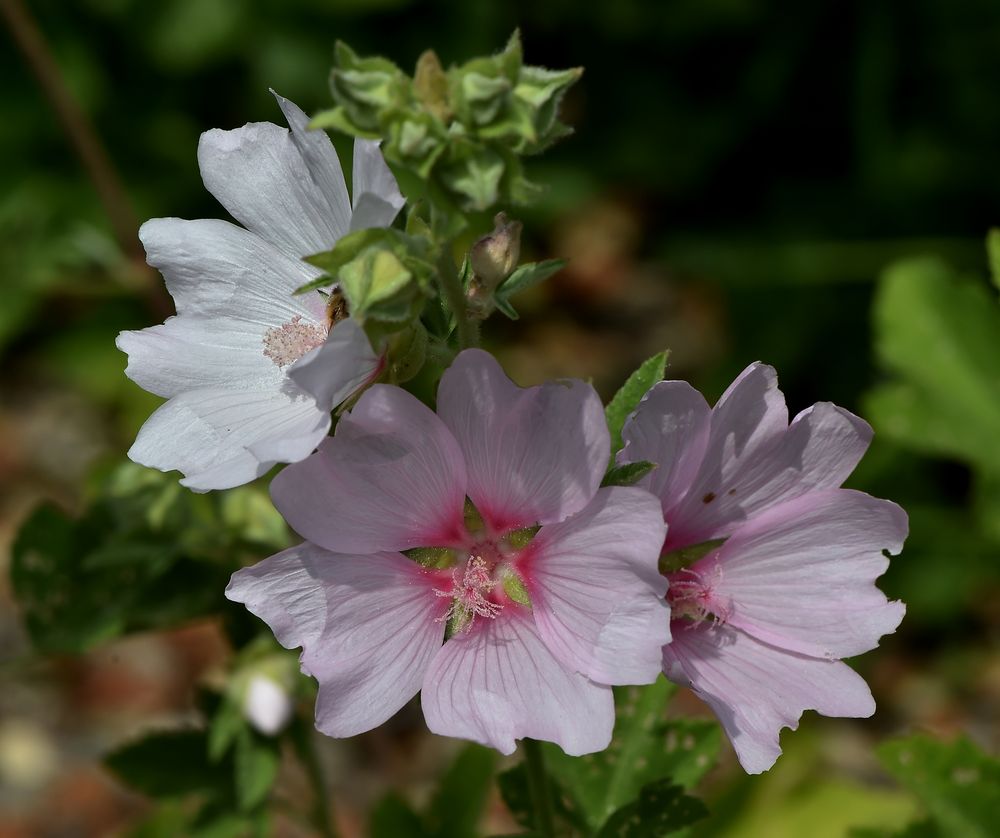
365 88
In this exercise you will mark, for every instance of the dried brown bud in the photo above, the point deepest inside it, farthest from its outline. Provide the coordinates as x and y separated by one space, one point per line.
495 256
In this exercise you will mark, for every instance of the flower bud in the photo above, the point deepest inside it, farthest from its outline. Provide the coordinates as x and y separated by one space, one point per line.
495 256
267 704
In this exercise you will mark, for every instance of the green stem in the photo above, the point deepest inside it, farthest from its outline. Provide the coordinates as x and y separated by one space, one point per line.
323 811
538 787
454 294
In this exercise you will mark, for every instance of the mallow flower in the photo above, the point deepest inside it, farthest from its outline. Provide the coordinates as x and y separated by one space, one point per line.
469 555
251 372
771 565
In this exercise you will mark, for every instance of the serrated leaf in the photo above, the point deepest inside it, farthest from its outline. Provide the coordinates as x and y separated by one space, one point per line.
646 747
628 397
527 275
957 782
939 334
627 474
662 808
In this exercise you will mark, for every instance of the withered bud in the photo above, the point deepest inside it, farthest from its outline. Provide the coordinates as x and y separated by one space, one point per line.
494 256
430 85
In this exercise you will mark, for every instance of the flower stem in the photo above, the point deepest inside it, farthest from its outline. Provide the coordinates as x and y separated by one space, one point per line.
538 787
466 327
322 812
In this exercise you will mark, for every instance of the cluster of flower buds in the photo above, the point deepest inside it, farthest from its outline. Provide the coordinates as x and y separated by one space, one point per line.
454 136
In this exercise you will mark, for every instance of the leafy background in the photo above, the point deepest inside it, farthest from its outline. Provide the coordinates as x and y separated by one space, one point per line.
809 184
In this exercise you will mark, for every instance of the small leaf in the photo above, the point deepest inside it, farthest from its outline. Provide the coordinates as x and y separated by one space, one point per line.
257 759
662 808
627 474
528 274
627 399
505 308
646 748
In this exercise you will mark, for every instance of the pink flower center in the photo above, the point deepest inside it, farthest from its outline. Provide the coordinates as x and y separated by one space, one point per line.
483 584
285 344
692 596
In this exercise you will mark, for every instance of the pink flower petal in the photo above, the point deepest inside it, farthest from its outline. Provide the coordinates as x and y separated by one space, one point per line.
801 576
597 598
392 478
756 690
335 370
499 682
533 455
208 434
370 626
670 428
747 419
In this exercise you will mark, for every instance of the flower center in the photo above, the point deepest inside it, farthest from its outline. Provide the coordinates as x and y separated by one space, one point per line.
285 344
692 596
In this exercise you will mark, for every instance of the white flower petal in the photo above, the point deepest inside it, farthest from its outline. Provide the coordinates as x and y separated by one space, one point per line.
377 199
333 371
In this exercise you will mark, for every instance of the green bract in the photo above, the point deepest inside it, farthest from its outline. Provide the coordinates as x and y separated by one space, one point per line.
457 133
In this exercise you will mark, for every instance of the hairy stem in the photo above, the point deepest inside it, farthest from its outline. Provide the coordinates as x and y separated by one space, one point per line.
467 327
538 787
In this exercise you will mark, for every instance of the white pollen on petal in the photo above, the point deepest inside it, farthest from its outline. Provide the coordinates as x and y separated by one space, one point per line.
287 343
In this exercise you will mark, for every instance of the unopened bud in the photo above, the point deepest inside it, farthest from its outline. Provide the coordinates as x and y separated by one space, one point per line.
267 704
495 256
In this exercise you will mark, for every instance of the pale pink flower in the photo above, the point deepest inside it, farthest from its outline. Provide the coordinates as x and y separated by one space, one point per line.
251 372
761 622
540 621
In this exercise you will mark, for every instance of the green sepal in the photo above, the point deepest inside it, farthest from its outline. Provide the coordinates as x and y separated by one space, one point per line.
520 538
366 87
505 308
686 556
337 119
440 558
473 173
527 275
513 586
627 474
415 140
473 520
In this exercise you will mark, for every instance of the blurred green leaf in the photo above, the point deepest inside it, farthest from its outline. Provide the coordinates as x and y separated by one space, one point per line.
627 398
993 253
393 817
170 764
939 333
646 748
457 805
662 808
256 764
957 782
515 791
527 275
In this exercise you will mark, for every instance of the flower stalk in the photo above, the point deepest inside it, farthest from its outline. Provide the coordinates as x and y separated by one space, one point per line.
538 788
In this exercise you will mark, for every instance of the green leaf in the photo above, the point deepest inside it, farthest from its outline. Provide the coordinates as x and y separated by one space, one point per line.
505 308
627 474
169 764
939 334
993 252
457 805
393 817
627 398
516 794
662 808
527 275
646 748
256 766
957 783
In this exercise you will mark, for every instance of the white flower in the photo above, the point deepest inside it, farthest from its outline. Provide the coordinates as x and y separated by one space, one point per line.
267 705
250 372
